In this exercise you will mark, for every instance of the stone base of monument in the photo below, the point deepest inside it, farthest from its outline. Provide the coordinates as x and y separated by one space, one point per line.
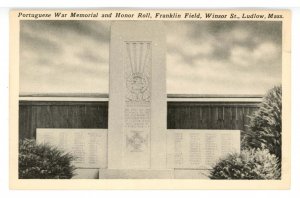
135 174
86 173
191 174
153 174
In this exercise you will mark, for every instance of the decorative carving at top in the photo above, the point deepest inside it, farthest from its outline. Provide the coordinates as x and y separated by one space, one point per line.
138 71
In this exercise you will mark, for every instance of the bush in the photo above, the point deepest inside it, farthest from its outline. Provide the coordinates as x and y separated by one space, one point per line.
265 124
250 164
41 161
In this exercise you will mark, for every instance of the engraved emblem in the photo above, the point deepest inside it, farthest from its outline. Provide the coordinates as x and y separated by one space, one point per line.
138 71
137 84
136 142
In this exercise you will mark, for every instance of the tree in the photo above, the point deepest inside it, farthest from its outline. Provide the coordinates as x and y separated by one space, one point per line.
265 124
261 154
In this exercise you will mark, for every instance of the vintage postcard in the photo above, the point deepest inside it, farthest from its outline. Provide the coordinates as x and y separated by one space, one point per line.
150 99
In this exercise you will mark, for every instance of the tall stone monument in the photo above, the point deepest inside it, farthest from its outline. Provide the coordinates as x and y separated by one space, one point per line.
139 146
137 98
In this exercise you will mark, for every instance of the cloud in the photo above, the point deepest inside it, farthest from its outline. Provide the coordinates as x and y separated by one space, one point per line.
223 57
204 57
64 56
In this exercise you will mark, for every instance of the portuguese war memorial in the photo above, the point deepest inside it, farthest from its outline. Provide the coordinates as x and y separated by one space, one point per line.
139 130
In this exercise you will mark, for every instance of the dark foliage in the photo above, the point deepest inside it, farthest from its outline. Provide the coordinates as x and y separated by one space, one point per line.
250 164
41 161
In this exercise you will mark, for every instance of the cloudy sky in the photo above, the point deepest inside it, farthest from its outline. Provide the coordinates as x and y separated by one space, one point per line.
202 57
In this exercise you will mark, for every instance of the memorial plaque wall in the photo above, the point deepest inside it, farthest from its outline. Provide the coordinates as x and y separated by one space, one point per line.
200 149
89 146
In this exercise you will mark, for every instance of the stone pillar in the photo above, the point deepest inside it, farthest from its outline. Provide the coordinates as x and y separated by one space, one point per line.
137 96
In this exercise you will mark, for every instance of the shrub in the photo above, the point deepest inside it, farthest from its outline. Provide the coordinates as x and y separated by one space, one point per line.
265 124
250 164
41 161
